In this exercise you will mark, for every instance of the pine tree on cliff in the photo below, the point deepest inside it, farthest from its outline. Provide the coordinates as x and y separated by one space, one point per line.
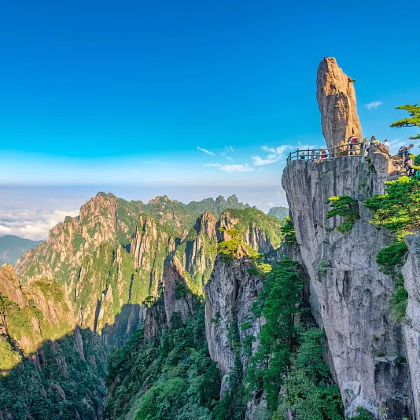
412 121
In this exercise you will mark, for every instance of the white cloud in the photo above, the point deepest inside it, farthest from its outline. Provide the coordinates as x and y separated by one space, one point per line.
205 151
268 149
229 159
31 224
275 154
236 168
226 150
230 168
373 105
259 161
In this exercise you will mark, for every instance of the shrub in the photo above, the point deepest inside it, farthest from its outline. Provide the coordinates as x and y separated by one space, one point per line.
347 208
400 300
289 231
391 256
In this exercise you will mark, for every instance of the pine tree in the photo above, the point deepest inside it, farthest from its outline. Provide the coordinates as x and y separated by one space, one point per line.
412 121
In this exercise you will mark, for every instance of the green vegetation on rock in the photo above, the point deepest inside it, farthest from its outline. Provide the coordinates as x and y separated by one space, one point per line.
57 382
396 210
288 231
347 208
250 219
287 368
167 377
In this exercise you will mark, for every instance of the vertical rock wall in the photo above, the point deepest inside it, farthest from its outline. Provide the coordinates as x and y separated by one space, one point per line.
350 297
411 324
230 294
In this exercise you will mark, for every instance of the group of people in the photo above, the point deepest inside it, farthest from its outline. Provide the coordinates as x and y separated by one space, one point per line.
407 159
374 144
367 145
354 147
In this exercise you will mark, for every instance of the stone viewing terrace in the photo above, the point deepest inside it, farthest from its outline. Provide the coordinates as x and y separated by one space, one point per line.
328 153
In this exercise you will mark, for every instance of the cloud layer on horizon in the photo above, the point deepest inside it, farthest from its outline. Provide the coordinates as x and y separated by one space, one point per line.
31 224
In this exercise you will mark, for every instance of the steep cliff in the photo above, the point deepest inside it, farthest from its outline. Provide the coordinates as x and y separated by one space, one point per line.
411 325
337 102
233 288
44 355
351 299
260 231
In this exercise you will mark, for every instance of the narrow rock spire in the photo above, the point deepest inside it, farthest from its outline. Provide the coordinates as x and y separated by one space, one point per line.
337 103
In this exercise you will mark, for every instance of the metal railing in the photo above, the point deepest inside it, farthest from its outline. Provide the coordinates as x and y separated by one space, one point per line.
328 153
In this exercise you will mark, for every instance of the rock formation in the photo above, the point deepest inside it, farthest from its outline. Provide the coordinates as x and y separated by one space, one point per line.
351 299
177 293
411 328
337 102
230 294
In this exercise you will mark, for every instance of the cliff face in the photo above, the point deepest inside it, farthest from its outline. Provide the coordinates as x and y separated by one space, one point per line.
30 314
350 297
198 252
177 293
260 231
337 102
43 354
230 294
411 326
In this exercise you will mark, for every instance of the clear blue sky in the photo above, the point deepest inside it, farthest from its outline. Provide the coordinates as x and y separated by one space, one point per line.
124 93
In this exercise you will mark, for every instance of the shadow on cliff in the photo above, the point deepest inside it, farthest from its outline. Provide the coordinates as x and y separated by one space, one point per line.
65 378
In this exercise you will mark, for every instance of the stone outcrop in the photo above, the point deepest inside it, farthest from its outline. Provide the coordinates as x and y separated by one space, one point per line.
350 298
337 102
177 293
411 324
230 294
262 240
198 252
9 285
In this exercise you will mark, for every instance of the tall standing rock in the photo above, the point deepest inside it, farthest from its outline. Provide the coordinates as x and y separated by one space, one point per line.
337 103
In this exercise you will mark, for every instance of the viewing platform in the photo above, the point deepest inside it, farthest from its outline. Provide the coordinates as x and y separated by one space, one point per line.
329 153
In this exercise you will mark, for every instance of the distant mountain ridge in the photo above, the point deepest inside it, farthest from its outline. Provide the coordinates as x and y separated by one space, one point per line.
12 247
280 212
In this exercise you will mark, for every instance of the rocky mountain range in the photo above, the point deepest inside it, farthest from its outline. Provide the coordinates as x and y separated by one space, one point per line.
89 281
12 247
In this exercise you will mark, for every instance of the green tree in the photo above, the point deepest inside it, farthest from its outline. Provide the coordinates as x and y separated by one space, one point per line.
279 302
399 209
412 121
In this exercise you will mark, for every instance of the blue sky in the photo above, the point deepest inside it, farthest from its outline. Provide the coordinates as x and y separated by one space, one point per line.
183 94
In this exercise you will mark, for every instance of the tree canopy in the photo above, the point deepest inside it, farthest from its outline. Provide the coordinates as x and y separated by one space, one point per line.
412 121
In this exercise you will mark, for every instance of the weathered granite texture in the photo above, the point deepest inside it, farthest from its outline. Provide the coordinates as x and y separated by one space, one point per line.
411 327
349 296
230 294
337 102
